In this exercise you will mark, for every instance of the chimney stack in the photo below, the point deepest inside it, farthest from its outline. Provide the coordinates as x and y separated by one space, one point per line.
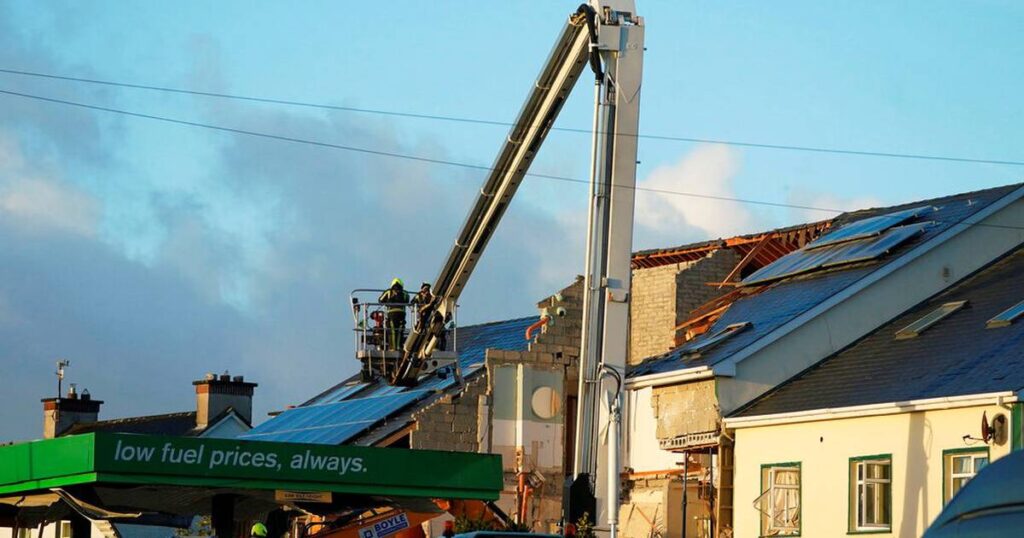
59 414
214 395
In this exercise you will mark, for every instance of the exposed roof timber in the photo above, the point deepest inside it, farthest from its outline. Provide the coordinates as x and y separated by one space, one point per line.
750 256
779 243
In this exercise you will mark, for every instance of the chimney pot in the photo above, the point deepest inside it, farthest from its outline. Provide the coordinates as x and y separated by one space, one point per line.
210 376
225 377
238 379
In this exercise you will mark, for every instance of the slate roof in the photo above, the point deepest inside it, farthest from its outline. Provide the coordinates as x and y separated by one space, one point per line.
345 411
771 306
175 424
956 356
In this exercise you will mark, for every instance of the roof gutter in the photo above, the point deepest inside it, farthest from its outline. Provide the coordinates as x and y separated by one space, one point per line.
871 410
874 276
674 377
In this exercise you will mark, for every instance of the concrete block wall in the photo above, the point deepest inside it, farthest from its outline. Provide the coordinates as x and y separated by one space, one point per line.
450 423
686 408
561 335
692 289
663 297
652 314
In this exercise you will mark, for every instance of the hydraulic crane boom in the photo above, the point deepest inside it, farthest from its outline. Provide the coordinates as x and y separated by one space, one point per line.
563 67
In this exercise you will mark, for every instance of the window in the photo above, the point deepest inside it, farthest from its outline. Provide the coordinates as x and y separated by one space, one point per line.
871 493
779 502
919 326
1006 317
960 466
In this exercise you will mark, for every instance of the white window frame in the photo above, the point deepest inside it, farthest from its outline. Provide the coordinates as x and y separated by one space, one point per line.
769 516
951 476
860 498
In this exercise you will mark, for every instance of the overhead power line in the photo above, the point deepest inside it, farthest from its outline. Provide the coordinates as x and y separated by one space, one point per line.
390 154
431 160
478 121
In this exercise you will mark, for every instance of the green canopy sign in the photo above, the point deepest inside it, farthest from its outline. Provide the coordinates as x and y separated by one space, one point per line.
182 461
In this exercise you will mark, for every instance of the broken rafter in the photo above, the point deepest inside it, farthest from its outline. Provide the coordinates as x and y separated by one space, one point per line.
746 259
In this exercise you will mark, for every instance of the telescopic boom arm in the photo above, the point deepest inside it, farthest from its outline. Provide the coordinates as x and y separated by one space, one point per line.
563 67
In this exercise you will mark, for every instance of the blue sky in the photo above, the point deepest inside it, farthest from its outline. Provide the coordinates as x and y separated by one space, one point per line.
149 254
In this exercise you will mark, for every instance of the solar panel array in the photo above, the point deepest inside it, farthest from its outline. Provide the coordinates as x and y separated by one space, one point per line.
350 408
338 393
823 257
332 423
869 227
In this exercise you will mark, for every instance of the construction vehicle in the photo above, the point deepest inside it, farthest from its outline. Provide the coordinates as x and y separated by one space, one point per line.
608 36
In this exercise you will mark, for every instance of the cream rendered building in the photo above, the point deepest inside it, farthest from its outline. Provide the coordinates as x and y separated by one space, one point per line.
783 320
878 438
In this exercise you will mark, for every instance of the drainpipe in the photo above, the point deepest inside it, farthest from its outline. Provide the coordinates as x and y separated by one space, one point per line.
536 326
686 459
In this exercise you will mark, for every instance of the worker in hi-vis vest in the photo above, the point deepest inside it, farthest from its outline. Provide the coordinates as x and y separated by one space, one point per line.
395 299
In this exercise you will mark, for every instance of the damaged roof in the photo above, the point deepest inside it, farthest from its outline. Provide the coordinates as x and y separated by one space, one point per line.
767 305
958 355
764 247
351 408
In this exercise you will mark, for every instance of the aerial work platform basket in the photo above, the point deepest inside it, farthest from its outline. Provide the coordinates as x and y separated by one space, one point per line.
382 330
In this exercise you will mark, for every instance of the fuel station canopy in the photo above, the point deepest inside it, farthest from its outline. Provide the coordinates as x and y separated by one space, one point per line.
159 480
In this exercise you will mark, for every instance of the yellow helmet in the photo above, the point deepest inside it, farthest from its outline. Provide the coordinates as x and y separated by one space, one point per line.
397 281
259 529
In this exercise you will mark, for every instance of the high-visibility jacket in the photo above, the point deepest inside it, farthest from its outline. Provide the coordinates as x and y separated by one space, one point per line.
396 299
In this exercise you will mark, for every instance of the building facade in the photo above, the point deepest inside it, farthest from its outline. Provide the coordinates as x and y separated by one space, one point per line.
879 437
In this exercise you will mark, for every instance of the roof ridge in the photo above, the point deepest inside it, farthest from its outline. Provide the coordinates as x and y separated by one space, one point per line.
177 414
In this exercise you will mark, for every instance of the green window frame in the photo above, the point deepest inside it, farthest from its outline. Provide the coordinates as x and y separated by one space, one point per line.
780 509
870 494
954 475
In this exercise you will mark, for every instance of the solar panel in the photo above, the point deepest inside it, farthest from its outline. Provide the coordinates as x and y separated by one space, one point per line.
1006 317
339 393
804 260
332 423
865 228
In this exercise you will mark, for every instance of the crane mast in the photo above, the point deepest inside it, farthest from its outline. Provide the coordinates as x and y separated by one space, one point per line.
609 36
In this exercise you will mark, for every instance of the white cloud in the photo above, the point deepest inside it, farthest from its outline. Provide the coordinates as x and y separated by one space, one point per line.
664 219
810 198
39 202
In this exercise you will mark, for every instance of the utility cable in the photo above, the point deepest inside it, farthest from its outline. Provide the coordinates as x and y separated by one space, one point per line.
431 160
391 154
478 121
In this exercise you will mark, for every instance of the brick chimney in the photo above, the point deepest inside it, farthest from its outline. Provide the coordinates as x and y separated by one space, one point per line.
215 394
59 414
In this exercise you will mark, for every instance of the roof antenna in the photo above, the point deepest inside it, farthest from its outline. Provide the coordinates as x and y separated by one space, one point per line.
61 364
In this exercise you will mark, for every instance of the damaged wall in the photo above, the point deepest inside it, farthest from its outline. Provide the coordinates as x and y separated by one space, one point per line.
685 409
663 297
451 422
482 416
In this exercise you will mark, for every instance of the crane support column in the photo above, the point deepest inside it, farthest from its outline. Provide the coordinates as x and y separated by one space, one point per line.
605 337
